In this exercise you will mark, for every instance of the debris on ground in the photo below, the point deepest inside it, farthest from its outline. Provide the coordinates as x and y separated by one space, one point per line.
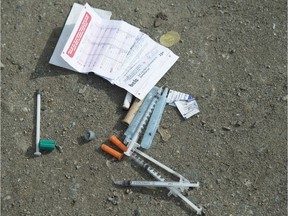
170 38
160 17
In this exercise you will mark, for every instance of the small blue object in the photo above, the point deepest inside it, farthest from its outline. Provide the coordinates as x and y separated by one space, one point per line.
190 98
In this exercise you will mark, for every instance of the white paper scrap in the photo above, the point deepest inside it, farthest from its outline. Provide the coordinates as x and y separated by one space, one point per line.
177 96
187 108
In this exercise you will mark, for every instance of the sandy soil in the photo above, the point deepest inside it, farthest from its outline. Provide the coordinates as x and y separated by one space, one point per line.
232 58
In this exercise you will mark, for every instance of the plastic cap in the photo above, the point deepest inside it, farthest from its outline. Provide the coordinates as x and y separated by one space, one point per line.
47 145
89 135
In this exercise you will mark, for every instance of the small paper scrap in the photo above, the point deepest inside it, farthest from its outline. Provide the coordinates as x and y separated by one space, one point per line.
185 103
177 96
187 108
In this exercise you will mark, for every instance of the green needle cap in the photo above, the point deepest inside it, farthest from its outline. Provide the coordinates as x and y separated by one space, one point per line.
47 145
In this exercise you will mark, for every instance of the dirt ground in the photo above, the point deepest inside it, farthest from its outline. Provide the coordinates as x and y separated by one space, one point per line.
232 58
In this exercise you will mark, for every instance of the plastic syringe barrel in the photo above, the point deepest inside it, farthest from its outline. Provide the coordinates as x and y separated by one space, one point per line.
154 120
129 133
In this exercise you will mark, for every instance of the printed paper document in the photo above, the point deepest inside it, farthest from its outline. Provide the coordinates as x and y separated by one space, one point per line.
118 52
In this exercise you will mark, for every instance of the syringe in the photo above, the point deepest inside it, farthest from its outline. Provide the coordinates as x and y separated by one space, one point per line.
137 183
38 96
173 190
163 166
132 144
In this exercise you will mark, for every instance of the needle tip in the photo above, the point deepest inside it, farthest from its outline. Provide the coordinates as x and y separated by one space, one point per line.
118 182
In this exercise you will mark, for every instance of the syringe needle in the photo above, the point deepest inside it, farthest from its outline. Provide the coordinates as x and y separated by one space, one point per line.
124 183
118 182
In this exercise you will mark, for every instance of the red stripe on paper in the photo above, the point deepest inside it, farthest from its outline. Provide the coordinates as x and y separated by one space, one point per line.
79 35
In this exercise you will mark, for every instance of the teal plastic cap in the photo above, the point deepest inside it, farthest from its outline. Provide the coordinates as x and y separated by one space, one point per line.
47 145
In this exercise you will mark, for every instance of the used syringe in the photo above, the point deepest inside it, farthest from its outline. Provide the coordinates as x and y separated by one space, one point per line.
132 144
172 190
163 166
156 184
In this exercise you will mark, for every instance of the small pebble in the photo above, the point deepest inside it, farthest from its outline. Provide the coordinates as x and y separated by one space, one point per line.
254 125
232 51
137 212
7 197
128 191
157 22
25 109
20 67
213 130
226 128
165 135
114 200
81 91
238 123
247 182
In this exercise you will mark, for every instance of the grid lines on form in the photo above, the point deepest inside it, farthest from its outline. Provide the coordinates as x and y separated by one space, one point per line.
107 46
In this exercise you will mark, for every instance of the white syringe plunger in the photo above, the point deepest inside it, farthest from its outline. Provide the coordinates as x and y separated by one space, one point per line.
38 96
